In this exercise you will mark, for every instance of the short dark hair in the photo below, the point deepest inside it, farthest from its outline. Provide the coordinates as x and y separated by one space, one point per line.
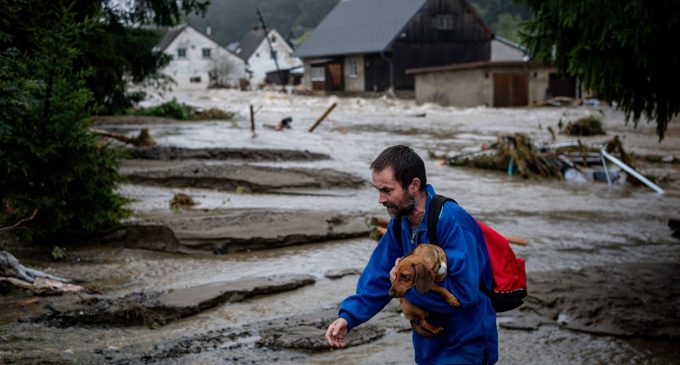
405 163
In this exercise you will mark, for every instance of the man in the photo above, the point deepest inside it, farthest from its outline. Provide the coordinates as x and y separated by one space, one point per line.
470 335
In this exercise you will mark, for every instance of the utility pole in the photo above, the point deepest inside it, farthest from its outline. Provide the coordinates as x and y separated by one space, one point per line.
271 50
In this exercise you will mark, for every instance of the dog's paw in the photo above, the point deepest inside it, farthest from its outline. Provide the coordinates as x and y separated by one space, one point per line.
452 301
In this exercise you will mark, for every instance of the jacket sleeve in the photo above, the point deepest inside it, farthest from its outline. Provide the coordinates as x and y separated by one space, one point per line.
461 239
372 292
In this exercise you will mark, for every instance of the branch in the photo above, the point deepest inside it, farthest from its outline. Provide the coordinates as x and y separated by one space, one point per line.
20 222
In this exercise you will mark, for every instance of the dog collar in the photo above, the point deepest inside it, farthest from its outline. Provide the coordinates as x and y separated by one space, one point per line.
441 265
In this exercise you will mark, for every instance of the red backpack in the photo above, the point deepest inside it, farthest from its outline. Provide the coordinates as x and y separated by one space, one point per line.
509 274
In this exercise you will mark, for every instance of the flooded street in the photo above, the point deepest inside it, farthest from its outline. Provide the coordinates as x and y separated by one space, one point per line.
571 226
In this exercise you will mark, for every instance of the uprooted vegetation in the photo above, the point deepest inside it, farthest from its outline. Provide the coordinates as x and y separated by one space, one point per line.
587 126
517 154
182 201
511 153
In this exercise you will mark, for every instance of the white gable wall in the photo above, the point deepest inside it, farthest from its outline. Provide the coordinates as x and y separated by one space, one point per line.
261 62
501 51
191 72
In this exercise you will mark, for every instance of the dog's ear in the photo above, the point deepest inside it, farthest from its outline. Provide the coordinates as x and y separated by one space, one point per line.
424 278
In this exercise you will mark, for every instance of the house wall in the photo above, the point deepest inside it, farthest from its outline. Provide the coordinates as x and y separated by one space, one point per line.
474 87
197 67
261 62
504 52
424 43
354 82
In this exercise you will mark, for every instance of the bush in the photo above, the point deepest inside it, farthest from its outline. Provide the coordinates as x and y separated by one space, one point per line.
180 111
171 109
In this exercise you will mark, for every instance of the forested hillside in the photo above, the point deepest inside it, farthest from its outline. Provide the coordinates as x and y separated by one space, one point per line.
502 16
231 19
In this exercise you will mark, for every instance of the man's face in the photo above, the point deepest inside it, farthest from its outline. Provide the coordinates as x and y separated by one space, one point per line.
391 195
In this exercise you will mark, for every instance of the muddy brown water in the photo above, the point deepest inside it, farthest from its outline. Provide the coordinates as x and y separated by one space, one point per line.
570 226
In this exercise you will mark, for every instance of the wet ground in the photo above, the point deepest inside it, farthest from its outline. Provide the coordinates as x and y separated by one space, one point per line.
601 259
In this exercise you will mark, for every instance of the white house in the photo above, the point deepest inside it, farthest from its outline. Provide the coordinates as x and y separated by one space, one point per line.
254 49
503 49
198 61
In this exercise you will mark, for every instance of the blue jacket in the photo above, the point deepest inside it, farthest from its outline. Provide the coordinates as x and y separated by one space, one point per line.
470 334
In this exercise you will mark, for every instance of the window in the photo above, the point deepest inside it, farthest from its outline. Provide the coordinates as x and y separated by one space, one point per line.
273 39
181 53
195 79
352 68
273 55
444 22
206 52
318 74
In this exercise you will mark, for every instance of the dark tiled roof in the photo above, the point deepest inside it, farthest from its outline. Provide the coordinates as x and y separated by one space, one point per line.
250 42
170 36
359 26
172 33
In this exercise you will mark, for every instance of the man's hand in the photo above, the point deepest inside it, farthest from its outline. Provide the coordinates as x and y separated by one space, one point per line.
336 332
393 272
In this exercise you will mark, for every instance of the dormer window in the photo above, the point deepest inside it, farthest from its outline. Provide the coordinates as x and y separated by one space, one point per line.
444 22
181 53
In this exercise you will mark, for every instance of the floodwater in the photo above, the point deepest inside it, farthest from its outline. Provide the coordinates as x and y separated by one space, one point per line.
569 224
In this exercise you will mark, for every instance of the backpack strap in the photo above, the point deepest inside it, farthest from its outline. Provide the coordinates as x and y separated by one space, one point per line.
433 216
396 229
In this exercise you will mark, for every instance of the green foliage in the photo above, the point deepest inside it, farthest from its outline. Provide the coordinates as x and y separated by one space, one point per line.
171 109
58 253
625 52
48 158
502 16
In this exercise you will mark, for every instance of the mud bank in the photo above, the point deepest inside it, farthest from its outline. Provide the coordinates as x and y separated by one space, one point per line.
294 338
228 231
629 300
233 177
260 154
636 304
160 308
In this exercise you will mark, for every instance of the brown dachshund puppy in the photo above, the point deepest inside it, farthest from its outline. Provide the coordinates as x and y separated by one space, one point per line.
421 268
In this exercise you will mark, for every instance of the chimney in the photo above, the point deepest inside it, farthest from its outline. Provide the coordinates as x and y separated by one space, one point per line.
208 30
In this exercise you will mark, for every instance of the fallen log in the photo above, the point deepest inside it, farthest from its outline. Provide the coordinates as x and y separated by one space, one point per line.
143 139
20 276
322 117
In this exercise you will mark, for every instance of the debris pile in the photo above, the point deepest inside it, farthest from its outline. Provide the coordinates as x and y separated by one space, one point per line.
516 154
512 153
181 200
588 126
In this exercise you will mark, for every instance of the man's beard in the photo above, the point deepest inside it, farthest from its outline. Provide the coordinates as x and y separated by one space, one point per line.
404 209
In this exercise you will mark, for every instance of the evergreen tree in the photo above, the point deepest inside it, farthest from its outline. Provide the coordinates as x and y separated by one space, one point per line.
624 51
